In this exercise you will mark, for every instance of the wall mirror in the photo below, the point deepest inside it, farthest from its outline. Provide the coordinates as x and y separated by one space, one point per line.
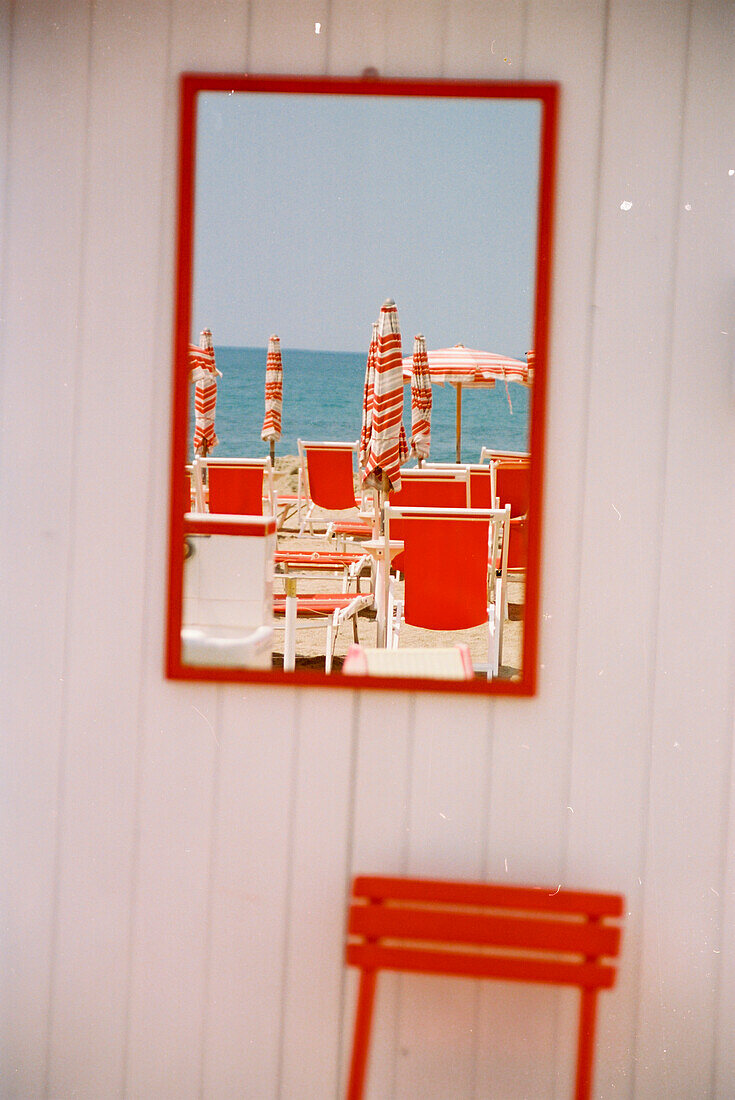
360 365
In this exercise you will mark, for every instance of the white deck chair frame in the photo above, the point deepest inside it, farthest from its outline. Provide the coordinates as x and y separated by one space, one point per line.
292 622
490 454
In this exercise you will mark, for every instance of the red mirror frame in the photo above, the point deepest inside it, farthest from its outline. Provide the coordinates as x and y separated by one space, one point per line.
191 84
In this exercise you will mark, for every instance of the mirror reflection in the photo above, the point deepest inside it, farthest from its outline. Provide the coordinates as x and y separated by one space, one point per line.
360 384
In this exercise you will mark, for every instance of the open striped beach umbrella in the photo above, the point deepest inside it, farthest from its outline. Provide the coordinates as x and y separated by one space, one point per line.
367 398
273 395
420 401
204 376
463 367
388 448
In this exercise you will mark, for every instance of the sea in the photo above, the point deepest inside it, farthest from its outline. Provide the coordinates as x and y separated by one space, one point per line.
322 399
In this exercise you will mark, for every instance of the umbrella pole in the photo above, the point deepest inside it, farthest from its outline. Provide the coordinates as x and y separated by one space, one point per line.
459 422
273 453
382 579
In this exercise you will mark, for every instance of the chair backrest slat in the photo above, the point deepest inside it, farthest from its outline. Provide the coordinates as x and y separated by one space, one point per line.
507 968
484 930
546 899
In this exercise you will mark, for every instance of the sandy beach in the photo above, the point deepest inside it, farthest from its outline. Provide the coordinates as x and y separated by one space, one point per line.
310 642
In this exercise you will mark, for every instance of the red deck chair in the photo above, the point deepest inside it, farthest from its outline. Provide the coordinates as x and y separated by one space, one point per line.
328 475
235 486
482 480
512 486
448 582
429 487
479 930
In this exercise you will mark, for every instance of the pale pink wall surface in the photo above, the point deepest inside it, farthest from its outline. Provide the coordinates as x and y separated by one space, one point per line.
176 857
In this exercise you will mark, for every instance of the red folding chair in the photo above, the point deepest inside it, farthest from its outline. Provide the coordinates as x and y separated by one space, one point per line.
512 487
235 486
482 480
454 571
429 487
479 930
328 478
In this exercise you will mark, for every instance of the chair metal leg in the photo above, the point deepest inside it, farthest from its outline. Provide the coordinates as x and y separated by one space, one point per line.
361 1041
332 628
586 1044
289 641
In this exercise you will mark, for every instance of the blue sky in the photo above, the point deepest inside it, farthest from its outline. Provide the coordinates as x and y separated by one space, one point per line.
312 209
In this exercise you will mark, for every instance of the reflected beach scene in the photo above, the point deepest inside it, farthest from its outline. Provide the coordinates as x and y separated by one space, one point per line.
360 378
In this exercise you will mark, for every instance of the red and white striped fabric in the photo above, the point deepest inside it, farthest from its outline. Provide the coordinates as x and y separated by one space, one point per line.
204 375
367 398
273 392
420 400
531 360
470 367
388 448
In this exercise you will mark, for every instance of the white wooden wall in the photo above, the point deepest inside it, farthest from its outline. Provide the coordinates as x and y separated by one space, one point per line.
175 857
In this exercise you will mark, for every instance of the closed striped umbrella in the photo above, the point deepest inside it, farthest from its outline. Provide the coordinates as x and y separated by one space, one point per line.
273 394
388 448
204 375
367 398
420 401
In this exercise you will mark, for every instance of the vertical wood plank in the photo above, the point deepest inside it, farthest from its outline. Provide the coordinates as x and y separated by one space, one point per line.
380 845
529 810
448 836
485 41
44 90
320 855
106 581
182 736
692 745
250 884
169 918
356 37
724 1052
415 34
620 560
287 37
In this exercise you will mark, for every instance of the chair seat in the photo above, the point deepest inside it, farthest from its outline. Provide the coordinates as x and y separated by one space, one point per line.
317 557
348 528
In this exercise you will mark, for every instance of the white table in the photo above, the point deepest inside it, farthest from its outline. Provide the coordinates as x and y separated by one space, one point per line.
382 552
